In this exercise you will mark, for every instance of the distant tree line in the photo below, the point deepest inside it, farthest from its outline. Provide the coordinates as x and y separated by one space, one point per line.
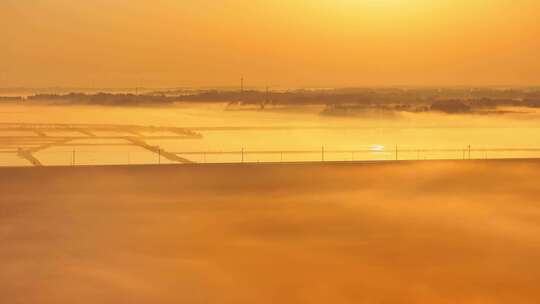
421 99
11 98
103 99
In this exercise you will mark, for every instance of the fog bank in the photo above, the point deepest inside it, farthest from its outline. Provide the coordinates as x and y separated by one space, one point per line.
430 232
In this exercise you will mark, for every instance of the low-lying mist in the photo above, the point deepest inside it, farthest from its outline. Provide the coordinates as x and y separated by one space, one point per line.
431 232
284 129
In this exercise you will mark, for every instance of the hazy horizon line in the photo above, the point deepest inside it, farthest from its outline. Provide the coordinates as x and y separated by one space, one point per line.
258 87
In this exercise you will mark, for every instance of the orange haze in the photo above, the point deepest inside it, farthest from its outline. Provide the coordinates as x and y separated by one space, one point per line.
280 43
424 232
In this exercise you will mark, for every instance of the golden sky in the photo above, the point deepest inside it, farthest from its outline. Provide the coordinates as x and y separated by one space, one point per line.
169 43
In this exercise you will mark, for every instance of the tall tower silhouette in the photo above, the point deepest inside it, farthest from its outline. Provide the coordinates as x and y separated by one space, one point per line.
242 85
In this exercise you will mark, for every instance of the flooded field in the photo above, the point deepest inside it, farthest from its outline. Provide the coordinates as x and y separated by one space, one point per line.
274 135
